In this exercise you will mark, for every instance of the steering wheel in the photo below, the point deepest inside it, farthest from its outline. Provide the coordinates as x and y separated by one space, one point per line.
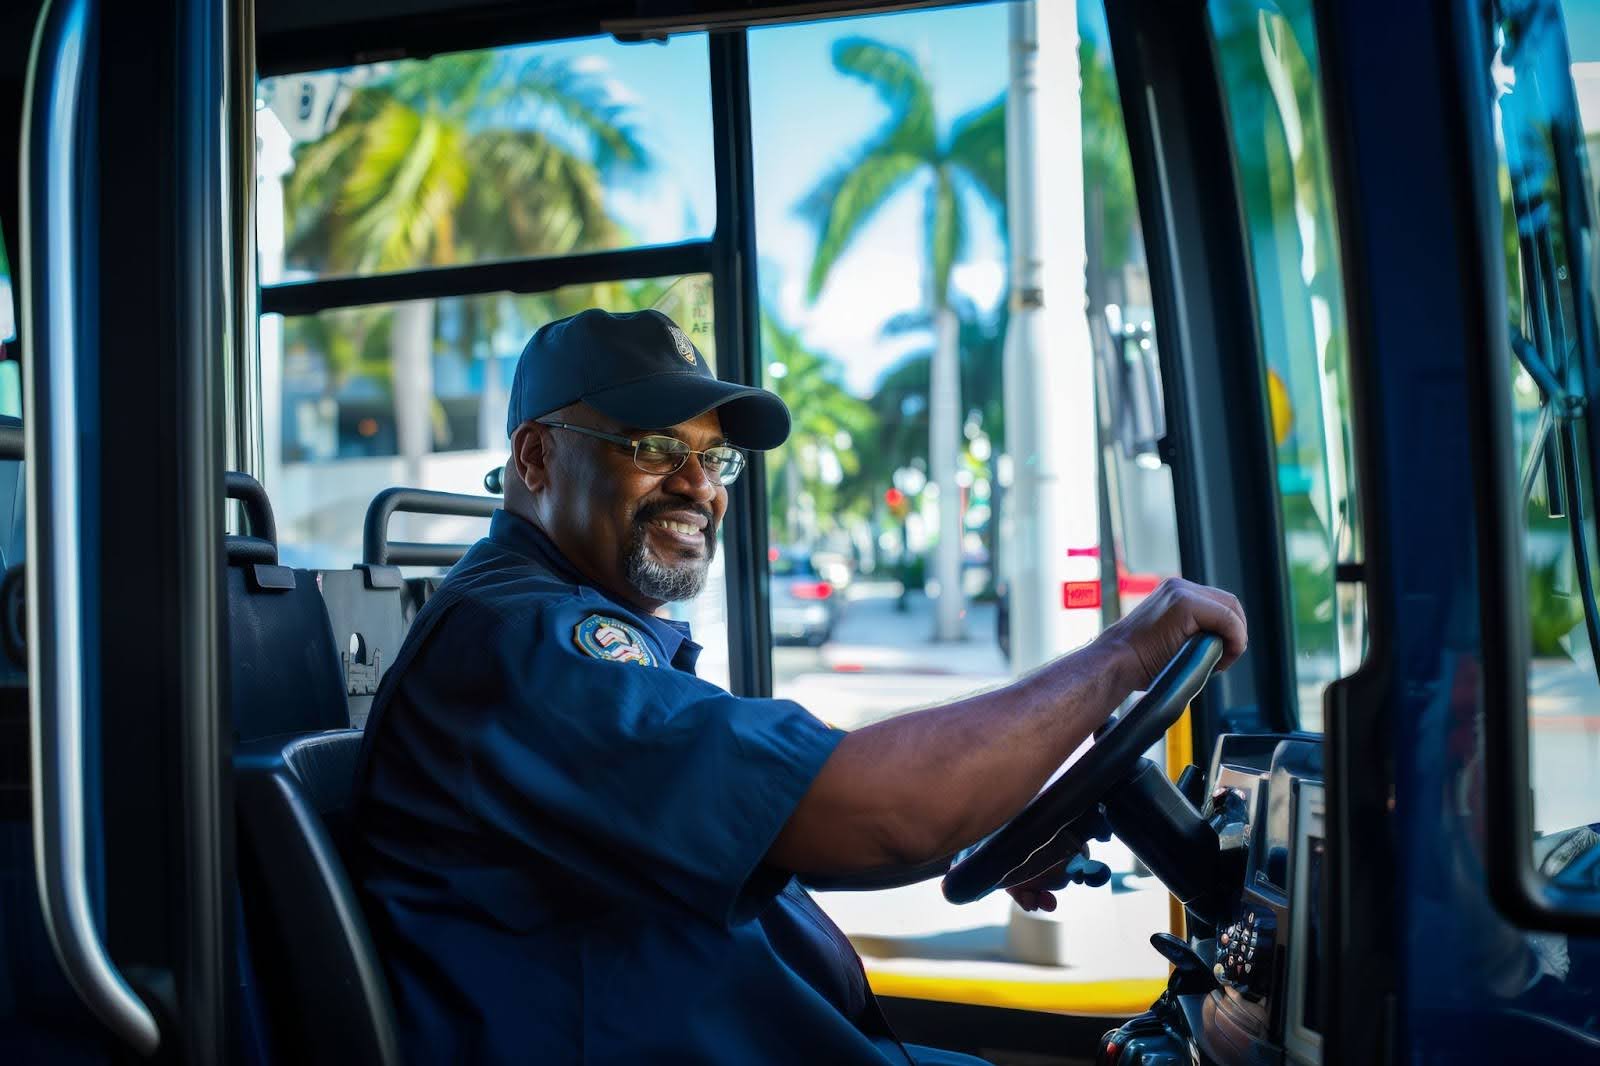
1042 837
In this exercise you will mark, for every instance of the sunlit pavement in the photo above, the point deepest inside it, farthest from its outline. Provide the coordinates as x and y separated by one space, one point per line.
1564 733
883 661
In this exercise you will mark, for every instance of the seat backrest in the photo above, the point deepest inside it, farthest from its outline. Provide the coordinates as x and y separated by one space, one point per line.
369 623
285 665
320 975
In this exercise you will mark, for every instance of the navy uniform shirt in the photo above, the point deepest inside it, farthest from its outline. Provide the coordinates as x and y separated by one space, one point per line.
560 834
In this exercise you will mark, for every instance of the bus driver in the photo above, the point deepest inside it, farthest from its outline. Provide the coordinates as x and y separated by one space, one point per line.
570 847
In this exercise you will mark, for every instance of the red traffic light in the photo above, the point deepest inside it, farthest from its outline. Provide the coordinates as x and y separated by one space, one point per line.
894 498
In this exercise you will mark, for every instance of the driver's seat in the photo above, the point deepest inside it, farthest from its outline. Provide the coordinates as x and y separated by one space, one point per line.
320 976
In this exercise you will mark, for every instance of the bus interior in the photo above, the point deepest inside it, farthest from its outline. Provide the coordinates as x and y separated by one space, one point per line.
1291 297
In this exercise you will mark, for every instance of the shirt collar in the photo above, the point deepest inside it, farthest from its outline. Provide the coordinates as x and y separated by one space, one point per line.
517 534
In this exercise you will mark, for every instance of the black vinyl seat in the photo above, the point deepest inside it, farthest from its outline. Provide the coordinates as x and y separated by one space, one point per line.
284 663
308 964
320 976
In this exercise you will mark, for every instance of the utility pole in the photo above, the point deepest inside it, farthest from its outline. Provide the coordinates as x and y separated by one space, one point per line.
1049 365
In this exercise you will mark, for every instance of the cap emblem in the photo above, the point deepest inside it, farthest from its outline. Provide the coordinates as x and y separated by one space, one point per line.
616 641
685 349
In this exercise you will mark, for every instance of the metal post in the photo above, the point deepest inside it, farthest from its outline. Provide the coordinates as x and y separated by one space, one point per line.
737 309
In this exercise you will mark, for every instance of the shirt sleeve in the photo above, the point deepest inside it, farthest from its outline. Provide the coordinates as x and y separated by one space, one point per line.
641 778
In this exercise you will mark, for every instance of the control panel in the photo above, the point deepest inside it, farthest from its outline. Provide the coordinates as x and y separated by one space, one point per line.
1244 952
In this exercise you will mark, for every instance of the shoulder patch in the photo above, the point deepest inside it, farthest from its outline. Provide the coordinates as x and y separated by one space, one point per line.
608 638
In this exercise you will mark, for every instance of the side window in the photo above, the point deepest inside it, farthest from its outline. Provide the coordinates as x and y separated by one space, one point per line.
1267 59
1542 128
944 516
472 157
487 160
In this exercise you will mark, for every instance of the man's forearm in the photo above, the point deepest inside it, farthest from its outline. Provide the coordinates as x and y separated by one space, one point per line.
912 789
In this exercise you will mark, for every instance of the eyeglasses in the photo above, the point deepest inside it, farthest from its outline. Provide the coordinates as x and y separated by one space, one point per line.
661 455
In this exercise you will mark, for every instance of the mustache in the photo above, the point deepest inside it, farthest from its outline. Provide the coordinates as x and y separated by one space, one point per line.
656 510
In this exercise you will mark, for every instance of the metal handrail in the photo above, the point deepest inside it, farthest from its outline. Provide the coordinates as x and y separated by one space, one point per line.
50 226
378 549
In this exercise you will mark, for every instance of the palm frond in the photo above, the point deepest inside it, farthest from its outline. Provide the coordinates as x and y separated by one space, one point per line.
894 72
978 147
840 205
612 139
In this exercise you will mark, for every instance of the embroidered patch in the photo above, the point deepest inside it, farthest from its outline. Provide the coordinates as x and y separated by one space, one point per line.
685 348
607 638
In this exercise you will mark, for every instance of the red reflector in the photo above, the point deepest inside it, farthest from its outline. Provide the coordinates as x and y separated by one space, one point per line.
1080 594
1137 584
1091 552
772 555
811 590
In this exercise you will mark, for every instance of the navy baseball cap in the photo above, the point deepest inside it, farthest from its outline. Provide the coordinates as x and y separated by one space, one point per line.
640 369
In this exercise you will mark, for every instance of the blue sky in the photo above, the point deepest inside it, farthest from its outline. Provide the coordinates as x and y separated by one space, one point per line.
806 116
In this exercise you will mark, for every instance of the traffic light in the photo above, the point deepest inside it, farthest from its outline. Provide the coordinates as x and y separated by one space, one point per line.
896 500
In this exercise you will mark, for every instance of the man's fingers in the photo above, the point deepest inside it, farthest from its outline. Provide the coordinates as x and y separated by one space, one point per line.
1047 901
1219 612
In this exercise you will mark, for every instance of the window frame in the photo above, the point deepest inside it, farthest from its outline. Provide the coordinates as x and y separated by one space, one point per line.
1517 887
728 257
1218 442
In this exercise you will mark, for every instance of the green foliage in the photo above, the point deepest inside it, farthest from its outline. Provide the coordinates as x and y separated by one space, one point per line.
826 419
460 157
907 146
1107 166
1552 614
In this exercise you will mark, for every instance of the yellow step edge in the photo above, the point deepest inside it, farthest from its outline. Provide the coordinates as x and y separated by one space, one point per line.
1116 999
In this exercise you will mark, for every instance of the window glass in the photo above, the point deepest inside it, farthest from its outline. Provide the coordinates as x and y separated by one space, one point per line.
1267 59
534 150
1546 105
359 399
885 237
8 310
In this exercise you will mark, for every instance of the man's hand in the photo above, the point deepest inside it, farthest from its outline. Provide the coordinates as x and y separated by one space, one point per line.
1039 894
1152 632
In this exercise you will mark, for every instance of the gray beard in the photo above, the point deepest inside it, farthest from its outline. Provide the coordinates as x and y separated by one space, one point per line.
654 580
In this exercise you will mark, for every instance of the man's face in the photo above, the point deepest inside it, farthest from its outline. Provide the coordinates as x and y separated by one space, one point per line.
649 538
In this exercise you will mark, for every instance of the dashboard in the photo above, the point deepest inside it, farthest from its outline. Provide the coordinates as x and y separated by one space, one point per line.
1253 993
1266 959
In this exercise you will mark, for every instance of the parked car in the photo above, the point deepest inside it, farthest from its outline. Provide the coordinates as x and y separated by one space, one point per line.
805 605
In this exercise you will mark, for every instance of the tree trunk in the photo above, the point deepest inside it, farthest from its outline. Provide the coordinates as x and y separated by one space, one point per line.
412 344
944 454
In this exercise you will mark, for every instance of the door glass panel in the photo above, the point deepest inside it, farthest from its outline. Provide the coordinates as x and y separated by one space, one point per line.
1544 89
532 150
359 399
911 481
1267 58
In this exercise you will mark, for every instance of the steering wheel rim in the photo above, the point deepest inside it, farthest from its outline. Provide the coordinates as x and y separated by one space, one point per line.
1041 836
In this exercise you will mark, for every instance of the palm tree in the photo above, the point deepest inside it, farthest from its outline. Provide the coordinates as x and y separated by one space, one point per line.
829 426
910 147
900 402
452 160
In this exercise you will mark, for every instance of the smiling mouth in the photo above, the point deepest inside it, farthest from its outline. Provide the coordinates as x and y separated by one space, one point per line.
688 529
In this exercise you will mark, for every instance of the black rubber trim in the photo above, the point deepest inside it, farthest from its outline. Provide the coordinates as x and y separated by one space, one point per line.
512 275
257 508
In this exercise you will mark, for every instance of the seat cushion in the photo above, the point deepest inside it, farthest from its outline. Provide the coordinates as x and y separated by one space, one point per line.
320 976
